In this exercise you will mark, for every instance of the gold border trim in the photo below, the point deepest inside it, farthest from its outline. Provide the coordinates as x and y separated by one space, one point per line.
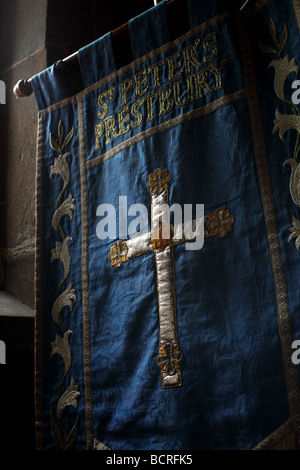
275 437
165 126
86 322
38 286
285 330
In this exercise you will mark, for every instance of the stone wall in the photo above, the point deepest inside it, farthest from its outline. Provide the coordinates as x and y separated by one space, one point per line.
23 28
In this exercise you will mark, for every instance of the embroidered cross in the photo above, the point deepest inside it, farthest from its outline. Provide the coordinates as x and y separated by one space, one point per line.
160 241
169 358
118 253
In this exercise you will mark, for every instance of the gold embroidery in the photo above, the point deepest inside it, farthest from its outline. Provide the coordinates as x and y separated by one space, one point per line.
169 358
118 254
213 48
137 114
192 88
189 54
141 79
155 69
99 131
165 126
65 208
295 232
62 142
61 346
110 124
61 252
63 300
124 120
158 181
61 168
284 122
126 85
68 398
166 102
294 180
174 62
38 286
86 321
149 101
99 445
102 104
219 223
283 67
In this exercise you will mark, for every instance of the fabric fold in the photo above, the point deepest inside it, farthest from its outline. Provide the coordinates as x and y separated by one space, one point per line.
96 60
149 30
50 86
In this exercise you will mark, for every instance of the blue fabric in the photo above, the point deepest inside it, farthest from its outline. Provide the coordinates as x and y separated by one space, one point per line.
96 60
187 108
200 10
49 86
149 30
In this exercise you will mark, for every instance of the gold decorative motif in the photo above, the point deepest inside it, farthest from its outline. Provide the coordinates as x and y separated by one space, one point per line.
295 232
68 398
294 180
169 358
61 168
63 437
99 445
165 126
218 223
65 299
65 208
283 67
61 346
62 141
284 122
158 181
61 252
118 254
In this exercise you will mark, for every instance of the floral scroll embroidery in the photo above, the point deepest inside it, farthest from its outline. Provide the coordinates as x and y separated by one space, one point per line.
65 297
283 67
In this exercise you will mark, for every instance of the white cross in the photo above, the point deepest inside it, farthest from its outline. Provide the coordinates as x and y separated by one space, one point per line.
156 241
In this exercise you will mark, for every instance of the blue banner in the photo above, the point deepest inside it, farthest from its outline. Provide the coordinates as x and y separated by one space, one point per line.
180 335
